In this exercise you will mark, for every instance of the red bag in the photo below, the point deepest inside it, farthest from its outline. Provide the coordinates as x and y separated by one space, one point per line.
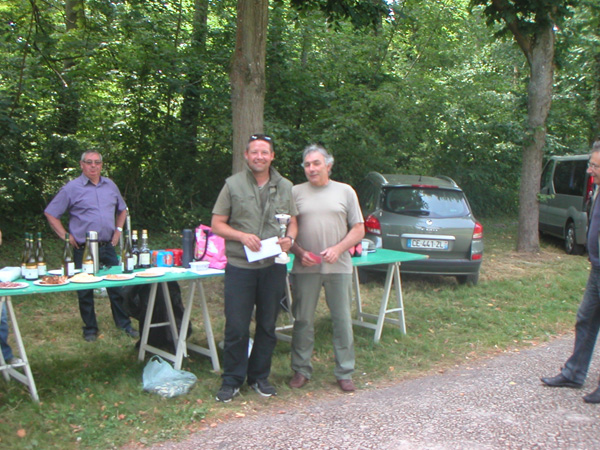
210 247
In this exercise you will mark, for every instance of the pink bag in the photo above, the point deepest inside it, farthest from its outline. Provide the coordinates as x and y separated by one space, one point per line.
210 247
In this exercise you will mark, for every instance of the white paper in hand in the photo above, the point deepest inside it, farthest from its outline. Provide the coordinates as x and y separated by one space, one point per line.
268 247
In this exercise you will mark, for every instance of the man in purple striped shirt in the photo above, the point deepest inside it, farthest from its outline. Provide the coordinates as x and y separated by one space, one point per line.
94 203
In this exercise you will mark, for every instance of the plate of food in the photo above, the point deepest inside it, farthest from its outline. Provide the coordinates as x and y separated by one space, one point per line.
118 276
12 285
52 281
150 273
84 277
59 271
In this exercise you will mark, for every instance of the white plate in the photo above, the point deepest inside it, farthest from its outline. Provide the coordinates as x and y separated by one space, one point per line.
150 274
41 283
59 271
121 277
87 280
19 286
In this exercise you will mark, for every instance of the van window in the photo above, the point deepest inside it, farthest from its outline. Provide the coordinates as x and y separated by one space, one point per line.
547 174
569 177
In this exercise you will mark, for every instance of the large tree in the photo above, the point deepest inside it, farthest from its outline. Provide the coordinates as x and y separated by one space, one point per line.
248 74
532 24
248 65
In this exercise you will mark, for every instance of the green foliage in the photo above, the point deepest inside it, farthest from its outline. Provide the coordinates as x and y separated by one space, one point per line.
423 90
529 14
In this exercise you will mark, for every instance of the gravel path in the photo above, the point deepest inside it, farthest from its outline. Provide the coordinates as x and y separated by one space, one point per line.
497 403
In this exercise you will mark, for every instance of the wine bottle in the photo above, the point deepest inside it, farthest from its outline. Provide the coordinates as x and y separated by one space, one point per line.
31 272
144 256
25 255
127 261
40 257
68 266
87 263
135 251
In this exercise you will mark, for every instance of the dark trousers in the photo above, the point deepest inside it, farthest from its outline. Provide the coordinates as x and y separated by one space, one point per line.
586 330
108 257
245 289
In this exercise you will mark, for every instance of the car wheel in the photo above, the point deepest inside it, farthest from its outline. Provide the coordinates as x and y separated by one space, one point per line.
571 246
472 279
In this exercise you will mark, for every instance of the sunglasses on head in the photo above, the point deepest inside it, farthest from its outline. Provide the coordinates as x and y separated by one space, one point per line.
261 137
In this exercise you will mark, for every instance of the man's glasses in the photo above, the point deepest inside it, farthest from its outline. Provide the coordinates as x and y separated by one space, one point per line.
261 137
593 166
91 162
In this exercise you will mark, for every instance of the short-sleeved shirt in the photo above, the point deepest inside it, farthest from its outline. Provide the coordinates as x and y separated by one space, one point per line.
325 216
91 207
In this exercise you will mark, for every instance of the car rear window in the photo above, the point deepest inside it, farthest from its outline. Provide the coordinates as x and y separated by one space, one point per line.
431 202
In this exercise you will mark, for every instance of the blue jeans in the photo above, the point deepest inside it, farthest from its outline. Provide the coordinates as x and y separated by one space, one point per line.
108 257
6 350
245 289
586 330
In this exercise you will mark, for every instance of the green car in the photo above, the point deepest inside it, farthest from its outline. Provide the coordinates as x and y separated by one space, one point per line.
426 215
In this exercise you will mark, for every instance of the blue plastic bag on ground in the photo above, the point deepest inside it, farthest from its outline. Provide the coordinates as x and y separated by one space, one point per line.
160 378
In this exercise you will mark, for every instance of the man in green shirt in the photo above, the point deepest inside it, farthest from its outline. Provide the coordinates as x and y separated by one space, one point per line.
244 215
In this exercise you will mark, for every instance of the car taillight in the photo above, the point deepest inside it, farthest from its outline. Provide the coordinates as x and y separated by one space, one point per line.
372 225
478 231
477 243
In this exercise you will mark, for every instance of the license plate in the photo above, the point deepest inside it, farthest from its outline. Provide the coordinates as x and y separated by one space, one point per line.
428 243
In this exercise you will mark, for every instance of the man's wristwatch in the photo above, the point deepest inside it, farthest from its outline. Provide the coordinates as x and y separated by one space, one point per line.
119 229
291 239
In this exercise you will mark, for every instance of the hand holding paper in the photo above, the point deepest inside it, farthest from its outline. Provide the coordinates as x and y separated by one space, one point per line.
268 247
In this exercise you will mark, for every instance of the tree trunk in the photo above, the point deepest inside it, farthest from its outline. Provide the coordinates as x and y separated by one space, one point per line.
191 107
539 92
68 98
248 75
596 131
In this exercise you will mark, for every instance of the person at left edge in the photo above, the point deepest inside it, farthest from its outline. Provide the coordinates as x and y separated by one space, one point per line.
244 214
7 352
94 203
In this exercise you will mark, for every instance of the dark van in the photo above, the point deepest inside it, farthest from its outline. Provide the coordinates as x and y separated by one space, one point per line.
565 200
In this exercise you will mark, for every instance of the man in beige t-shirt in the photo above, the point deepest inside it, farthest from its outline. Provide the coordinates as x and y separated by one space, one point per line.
329 224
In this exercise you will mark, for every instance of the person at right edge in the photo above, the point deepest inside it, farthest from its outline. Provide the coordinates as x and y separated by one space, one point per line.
329 224
587 324
244 215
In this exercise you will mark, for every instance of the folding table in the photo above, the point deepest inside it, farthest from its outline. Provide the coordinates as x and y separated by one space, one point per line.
26 376
381 257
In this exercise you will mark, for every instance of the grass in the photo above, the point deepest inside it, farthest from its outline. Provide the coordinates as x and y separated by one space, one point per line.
91 394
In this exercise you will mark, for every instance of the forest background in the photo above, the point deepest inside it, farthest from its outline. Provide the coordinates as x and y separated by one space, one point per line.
430 91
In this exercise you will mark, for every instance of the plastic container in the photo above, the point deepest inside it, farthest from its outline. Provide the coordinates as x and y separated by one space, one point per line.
199 266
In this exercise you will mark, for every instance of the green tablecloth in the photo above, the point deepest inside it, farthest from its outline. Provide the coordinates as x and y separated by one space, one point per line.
175 275
380 257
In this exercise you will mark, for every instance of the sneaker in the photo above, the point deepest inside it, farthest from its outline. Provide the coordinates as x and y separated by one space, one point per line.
226 393
90 337
264 388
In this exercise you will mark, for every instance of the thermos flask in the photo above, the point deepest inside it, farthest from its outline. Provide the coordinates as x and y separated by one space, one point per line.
188 248
94 250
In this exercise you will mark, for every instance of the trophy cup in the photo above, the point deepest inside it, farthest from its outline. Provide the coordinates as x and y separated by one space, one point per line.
283 220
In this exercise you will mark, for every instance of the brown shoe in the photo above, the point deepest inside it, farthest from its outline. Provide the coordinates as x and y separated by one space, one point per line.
346 385
298 380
